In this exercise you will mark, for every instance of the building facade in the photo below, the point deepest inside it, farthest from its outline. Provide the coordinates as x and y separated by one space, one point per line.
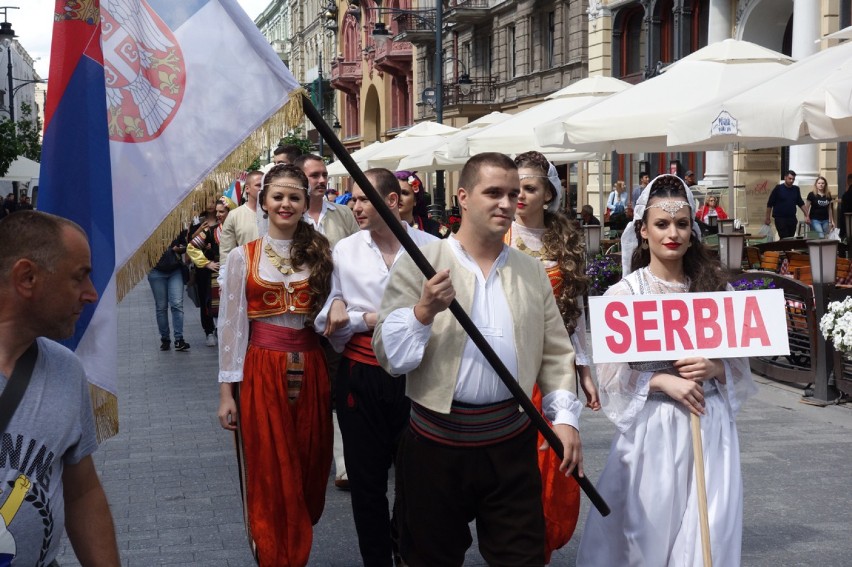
24 81
633 39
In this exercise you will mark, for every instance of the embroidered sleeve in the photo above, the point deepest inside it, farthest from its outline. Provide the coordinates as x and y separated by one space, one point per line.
233 318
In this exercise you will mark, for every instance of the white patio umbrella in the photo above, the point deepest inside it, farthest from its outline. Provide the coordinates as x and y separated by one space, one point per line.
412 141
517 134
845 33
22 169
336 169
635 120
792 107
438 155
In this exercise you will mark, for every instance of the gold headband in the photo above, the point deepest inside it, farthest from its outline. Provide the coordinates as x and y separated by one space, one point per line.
671 207
288 185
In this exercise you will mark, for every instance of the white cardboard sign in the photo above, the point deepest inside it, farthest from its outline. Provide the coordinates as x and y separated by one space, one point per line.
728 324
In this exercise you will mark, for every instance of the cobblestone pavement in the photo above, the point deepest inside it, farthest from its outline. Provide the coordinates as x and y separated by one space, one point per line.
170 473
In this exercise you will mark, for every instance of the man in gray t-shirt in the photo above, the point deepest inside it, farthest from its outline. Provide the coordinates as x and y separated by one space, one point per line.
47 474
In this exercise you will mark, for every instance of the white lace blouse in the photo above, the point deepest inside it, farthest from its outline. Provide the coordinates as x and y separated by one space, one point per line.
233 306
531 239
623 390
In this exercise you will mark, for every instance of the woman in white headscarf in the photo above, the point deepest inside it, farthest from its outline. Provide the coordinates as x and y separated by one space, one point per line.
648 480
541 231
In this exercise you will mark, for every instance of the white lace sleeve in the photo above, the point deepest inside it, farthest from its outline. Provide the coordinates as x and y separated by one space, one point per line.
578 340
233 318
623 391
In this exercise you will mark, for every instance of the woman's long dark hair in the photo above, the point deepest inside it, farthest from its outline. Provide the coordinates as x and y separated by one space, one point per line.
309 247
704 270
567 245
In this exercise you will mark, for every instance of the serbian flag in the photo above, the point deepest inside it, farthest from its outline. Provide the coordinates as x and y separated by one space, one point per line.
152 106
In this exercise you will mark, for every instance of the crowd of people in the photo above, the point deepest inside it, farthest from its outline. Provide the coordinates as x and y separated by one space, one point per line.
322 309
336 351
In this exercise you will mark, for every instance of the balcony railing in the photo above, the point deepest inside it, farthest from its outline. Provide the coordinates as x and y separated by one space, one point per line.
482 91
393 56
345 75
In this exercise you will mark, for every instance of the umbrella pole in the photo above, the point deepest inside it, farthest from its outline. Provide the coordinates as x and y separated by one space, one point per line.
600 185
701 488
455 307
731 182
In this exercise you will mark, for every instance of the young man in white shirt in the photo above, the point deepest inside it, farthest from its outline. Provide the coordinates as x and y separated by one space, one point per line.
333 221
469 453
372 409
240 227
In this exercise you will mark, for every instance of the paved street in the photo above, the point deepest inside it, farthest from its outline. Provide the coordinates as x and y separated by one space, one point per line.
171 476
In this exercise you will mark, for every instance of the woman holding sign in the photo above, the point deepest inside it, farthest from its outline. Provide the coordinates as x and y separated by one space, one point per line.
649 479
545 234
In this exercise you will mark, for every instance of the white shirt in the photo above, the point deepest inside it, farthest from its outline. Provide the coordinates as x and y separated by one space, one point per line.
318 225
359 279
405 340
477 382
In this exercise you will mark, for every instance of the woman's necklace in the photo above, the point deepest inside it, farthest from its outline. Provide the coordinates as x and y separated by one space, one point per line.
280 263
543 253
664 283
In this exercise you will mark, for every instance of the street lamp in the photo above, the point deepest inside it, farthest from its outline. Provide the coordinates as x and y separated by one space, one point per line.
593 233
380 33
726 226
7 36
823 258
731 250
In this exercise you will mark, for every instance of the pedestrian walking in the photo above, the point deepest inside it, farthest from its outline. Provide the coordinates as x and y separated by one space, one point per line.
167 279
820 208
45 267
372 409
782 203
468 452
274 387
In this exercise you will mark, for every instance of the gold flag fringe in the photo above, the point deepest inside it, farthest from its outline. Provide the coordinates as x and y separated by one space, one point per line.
105 407
137 267
104 403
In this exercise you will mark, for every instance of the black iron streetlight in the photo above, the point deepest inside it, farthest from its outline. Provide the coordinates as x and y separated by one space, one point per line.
823 258
7 36
380 34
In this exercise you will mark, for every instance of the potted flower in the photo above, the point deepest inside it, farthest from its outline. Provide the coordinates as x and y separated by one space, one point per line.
836 324
603 271
746 284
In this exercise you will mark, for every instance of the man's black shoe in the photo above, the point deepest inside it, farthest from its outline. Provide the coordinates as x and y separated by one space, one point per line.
181 345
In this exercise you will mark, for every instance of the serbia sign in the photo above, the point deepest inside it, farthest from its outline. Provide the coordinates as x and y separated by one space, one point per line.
731 324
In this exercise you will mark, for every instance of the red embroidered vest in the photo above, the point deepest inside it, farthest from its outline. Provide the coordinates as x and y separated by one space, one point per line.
273 298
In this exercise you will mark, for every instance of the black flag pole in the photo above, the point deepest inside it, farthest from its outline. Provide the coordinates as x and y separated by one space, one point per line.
464 320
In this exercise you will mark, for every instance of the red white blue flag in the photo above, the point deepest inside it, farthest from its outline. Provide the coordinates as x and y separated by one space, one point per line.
148 101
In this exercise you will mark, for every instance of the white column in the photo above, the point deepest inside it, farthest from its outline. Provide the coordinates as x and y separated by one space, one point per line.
719 26
804 160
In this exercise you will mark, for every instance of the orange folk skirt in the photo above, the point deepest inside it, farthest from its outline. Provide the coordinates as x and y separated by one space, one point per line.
560 496
285 422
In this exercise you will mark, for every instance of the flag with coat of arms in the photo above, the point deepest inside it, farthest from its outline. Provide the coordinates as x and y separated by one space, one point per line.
153 107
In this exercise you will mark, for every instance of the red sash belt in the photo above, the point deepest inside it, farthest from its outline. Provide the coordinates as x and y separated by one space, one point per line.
360 349
283 339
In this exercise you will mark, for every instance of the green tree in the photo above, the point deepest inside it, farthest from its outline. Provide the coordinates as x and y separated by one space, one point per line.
296 138
21 141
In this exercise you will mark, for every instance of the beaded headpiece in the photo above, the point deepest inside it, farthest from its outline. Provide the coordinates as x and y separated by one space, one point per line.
287 185
671 207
